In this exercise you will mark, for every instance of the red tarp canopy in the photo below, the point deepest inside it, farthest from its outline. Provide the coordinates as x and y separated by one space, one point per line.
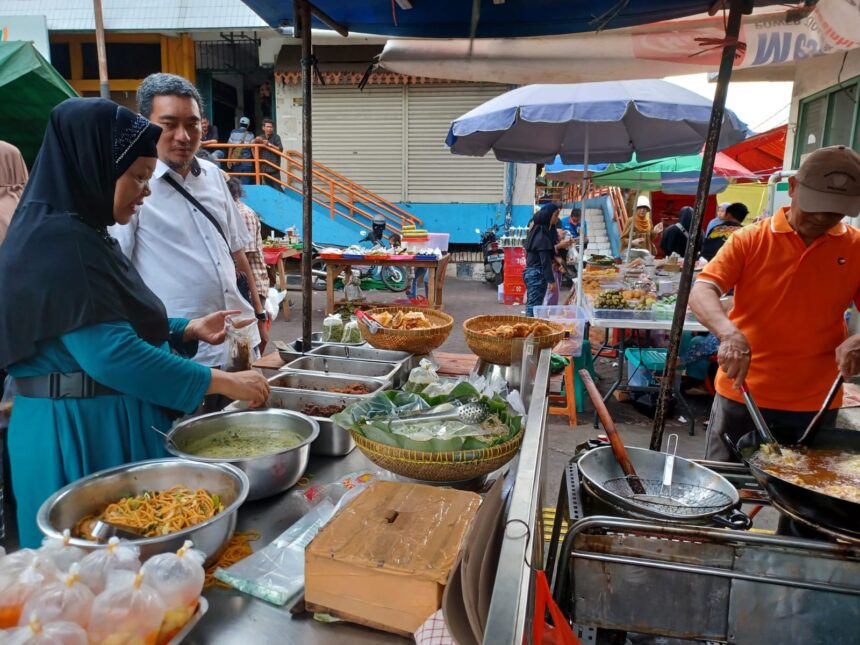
762 153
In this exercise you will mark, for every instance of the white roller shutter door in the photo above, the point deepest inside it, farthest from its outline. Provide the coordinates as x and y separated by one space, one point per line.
433 173
360 135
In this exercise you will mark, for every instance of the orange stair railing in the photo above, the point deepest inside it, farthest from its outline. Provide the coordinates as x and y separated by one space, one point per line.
341 196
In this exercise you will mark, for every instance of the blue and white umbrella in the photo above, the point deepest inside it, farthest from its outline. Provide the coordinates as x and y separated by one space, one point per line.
610 120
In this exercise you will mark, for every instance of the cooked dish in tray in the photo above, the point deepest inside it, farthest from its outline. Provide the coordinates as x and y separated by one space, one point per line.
832 472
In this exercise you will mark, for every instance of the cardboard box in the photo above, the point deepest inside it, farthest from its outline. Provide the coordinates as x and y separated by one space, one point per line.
384 559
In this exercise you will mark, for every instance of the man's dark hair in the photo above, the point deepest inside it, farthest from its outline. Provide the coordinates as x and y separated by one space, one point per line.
235 187
268 120
738 211
161 84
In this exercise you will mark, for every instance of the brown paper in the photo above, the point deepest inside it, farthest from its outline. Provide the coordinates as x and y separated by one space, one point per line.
386 556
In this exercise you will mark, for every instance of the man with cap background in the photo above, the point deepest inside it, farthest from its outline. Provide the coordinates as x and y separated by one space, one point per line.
793 276
242 134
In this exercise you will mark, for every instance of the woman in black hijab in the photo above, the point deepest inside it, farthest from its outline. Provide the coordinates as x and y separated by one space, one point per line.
675 238
541 248
91 349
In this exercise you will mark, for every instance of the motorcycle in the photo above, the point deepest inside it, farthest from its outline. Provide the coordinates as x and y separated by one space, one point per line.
494 255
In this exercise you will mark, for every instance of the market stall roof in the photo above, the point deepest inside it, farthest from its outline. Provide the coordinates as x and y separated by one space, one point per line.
762 153
29 89
499 19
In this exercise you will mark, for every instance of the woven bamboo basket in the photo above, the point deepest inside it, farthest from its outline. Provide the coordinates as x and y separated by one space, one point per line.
500 350
414 341
461 465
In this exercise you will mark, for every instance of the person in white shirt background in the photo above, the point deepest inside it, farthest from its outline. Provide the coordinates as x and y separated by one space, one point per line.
180 254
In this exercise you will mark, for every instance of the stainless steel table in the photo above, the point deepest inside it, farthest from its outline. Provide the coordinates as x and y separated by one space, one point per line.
236 618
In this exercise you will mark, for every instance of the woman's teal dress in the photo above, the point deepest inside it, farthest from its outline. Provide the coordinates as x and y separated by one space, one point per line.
55 442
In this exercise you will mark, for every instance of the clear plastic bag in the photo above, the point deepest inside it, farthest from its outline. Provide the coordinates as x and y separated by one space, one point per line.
332 330
127 611
116 556
37 632
17 590
178 578
69 601
61 551
352 287
276 573
351 333
422 376
240 348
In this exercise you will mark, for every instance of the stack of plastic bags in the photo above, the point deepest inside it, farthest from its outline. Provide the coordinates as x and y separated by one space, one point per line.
63 595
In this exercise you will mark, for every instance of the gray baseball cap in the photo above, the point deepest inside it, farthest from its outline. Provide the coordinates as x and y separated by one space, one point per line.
828 181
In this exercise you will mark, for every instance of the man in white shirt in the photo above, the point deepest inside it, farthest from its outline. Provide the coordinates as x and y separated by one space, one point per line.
181 255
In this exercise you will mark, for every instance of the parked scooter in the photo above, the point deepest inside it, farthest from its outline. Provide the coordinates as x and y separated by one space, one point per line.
494 255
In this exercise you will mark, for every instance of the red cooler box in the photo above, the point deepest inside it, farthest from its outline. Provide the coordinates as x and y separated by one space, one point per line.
515 261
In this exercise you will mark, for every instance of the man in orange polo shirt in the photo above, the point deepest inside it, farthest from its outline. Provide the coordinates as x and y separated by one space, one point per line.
793 276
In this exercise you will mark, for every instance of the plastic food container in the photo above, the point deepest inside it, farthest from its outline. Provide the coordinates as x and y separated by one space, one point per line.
571 317
438 241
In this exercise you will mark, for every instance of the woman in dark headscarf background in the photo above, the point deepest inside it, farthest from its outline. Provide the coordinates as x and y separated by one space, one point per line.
95 359
675 237
13 176
542 246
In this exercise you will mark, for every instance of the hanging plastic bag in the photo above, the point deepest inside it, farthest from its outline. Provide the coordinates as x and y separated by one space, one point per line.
351 333
352 287
69 601
178 578
116 556
422 376
240 348
543 633
332 330
127 611
276 573
61 551
37 632
36 574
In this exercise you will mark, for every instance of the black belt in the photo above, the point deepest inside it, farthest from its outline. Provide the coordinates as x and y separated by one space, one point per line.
56 385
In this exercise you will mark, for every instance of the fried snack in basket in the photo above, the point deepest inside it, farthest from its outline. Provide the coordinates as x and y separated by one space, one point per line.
401 320
383 318
518 330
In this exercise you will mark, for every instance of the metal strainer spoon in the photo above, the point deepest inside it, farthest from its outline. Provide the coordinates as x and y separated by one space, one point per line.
665 495
470 414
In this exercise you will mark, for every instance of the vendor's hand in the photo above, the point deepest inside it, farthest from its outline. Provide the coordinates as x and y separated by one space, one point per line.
848 357
734 356
247 386
209 329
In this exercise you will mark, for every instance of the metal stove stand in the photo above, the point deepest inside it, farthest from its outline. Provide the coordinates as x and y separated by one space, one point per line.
613 575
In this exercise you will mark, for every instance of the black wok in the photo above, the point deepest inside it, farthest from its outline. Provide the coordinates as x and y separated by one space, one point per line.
830 512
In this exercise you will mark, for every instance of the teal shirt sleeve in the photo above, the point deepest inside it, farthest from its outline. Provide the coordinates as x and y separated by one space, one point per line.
115 356
177 329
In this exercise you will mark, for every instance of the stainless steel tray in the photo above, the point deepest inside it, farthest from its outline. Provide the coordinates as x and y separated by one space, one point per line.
405 360
182 634
309 381
332 441
346 366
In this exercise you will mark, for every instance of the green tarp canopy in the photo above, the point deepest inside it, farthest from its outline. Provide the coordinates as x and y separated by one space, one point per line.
29 89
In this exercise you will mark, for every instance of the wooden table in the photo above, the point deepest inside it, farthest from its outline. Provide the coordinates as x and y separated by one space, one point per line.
277 261
435 277
450 364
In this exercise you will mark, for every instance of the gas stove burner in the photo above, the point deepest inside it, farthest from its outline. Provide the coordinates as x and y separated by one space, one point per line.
824 532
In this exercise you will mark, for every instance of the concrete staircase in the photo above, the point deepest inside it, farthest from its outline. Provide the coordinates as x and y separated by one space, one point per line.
598 238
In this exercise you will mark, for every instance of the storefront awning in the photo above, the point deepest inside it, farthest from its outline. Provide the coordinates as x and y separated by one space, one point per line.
762 153
499 19
29 89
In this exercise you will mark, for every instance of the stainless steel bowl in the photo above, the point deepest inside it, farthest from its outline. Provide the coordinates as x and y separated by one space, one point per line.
268 474
90 496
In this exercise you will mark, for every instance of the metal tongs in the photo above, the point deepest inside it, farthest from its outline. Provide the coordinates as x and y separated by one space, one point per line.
812 429
758 419
372 325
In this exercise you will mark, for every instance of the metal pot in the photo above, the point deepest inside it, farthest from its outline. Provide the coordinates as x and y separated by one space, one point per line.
268 474
90 496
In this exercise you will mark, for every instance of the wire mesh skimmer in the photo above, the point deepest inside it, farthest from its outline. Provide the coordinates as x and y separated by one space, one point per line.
682 498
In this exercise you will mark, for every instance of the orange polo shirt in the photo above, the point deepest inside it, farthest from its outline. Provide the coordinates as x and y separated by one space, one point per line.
790 303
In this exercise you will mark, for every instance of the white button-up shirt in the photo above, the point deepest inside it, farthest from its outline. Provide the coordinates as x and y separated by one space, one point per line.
180 254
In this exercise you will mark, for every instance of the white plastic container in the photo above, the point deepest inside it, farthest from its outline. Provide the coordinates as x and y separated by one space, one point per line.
438 241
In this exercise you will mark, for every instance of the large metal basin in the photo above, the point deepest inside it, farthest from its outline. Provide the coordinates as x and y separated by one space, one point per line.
309 381
268 474
90 496
333 440
343 366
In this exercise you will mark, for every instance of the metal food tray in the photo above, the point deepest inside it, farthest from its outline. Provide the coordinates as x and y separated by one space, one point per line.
333 440
367 353
182 634
387 372
311 382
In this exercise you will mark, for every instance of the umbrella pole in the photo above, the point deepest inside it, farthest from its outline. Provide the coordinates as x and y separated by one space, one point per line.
302 8
736 9
581 258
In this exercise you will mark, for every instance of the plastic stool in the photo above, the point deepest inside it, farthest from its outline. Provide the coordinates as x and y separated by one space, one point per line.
568 397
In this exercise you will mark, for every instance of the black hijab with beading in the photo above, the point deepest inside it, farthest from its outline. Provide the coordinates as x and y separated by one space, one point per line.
59 269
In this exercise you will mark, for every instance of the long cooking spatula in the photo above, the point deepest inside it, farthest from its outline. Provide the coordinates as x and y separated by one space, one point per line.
812 429
758 420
